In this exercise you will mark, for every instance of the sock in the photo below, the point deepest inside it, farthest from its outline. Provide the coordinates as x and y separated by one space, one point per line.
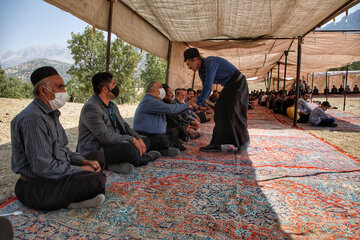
93 202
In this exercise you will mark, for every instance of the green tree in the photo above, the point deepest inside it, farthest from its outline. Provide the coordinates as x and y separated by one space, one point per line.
124 63
14 87
353 66
89 53
155 70
88 50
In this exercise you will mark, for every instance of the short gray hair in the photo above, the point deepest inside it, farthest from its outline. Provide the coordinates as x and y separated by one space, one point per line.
150 86
43 82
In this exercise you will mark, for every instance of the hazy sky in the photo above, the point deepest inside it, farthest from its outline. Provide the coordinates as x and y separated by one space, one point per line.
25 23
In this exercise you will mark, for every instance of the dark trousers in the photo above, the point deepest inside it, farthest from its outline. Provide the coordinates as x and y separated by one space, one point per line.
326 122
126 153
159 142
231 114
49 194
304 118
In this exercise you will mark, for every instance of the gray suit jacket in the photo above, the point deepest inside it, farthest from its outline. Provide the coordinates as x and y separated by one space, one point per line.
96 128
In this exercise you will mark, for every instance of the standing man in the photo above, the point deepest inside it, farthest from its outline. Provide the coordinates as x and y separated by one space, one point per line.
232 105
102 128
51 175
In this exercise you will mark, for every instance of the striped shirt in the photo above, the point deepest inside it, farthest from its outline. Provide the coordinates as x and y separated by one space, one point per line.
39 142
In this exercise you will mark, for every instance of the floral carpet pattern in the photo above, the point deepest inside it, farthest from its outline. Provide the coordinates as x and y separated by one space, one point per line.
290 185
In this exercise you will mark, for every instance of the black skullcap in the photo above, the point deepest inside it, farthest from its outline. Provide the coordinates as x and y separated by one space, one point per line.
41 73
191 53
326 104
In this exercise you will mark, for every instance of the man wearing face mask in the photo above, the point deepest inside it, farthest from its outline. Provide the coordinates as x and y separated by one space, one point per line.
150 118
102 128
51 175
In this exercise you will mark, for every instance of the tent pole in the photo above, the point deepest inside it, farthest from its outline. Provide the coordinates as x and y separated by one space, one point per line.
298 66
268 81
286 55
312 86
193 82
278 83
265 82
271 80
346 79
168 62
326 86
109 35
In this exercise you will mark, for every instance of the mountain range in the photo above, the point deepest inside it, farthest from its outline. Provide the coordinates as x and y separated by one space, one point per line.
52 52
351 23
24 70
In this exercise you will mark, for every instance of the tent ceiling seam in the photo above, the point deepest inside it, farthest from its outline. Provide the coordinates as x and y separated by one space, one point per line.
144 20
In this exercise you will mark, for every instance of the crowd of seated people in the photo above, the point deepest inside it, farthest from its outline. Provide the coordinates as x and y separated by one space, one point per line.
283 102
341 90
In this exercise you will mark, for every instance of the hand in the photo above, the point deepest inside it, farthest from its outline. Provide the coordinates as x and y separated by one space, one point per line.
91 166
137 146
143 146
192 103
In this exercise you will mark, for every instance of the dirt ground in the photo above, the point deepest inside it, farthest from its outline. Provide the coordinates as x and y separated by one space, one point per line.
346 141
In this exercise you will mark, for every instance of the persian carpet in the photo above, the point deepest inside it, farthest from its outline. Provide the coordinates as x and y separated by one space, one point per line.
290 185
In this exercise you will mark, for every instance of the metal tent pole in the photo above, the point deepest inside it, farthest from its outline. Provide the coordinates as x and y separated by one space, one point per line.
271 80
193 82
298 68
109 35
278 83
312 86
286 55
346 79
168 62
326 87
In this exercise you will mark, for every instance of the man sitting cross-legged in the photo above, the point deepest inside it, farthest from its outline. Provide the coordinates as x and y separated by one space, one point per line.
150 118
51 175
101 127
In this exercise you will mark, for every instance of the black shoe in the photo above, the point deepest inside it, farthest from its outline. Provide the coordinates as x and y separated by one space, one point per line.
153 155
332 125
243 148
170 152
211 148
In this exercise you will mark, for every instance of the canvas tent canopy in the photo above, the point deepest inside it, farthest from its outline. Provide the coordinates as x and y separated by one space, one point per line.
253 35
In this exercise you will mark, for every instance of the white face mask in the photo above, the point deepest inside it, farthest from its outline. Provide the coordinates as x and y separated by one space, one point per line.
59 100
162 93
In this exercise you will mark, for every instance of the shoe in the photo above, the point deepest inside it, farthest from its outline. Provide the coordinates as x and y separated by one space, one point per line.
93 202
122 168
170 152
211 148
332 125
153 155
180 146
243 148
195 135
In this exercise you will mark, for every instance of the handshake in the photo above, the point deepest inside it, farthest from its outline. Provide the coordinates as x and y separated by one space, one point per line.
192 103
